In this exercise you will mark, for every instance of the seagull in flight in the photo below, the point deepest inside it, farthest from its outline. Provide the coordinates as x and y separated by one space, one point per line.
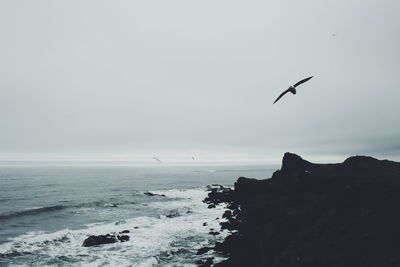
292 88
157 159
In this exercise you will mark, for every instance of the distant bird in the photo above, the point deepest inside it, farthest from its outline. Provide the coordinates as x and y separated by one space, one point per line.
193 158
292 88
157 159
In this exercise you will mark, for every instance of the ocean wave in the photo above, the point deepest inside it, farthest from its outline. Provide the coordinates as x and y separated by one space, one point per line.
154 240
31 211
112 203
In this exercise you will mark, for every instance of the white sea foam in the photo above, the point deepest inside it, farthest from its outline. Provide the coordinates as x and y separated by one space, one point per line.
154 241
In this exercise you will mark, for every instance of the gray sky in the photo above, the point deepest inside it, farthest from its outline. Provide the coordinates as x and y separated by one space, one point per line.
129 80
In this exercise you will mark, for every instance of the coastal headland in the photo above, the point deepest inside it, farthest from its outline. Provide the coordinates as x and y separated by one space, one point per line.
308 214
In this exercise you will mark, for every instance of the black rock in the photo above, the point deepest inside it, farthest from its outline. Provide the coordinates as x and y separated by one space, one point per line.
227 214
95 240
173 214
124 232
110 205
123 238
205 263
218 195
154 195
203 250
214 233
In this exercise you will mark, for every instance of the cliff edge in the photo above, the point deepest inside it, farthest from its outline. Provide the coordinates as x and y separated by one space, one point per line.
307 214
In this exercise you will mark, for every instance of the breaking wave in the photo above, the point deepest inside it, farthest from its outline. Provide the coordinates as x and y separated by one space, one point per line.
32 211
170 237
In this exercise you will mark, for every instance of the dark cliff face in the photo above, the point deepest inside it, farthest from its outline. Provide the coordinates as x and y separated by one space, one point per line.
344 214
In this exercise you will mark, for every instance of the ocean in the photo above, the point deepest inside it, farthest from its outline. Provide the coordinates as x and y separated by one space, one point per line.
46 212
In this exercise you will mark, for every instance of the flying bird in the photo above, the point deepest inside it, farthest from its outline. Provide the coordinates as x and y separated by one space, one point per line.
292 88
157 159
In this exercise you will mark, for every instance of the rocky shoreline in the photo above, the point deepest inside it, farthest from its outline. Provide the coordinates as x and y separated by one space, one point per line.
307 214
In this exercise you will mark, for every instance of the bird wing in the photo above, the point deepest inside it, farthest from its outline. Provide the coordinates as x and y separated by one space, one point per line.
280 96
302 81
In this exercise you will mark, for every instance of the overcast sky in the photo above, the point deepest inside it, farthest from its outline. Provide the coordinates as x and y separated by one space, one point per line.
129 80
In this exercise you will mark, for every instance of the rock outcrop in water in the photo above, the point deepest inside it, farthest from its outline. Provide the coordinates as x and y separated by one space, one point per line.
95 240
150 194
307 214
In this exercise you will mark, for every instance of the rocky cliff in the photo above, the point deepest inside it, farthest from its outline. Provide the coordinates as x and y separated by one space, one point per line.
307 214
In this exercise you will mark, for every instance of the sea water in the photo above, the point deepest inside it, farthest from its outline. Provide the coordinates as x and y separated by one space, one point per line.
46 212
